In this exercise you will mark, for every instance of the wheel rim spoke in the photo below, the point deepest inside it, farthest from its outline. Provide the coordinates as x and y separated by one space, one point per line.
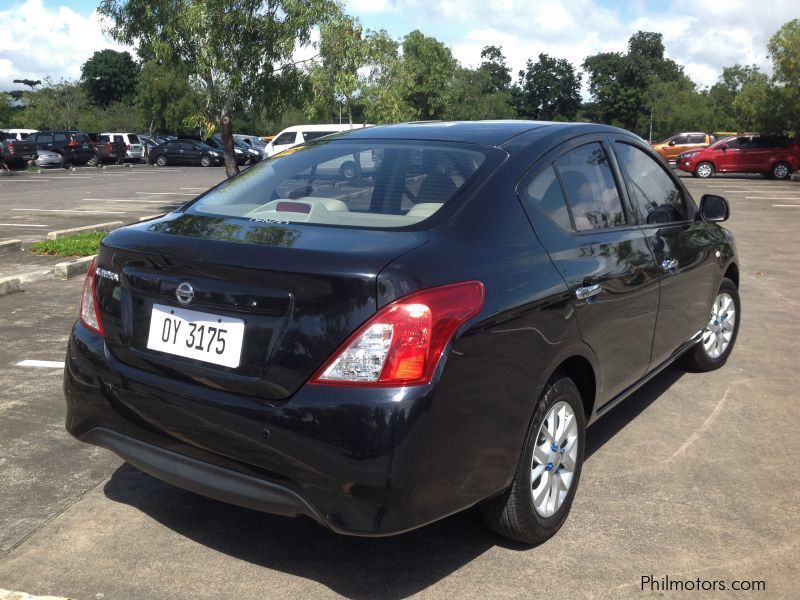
718 334
554 459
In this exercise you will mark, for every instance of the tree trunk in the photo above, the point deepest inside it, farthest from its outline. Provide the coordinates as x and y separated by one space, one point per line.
350 115
231 168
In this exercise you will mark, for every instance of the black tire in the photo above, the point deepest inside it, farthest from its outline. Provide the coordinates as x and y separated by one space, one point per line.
161 160
780 171
512 514
92 162
697 358
205 161
704 173
348 170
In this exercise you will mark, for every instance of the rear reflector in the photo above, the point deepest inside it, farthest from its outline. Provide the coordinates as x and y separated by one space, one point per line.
89 314
403 342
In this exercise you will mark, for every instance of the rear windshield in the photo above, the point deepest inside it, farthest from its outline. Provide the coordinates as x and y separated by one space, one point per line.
345 183
133 138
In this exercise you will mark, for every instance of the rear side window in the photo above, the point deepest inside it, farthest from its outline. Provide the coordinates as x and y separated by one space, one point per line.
697 139
352 184
59 137
591 192
681 139
545 191
285 138
133 139
45 138
657 197
314 135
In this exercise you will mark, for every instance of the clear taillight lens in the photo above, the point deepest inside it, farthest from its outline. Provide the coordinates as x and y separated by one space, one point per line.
89 314
403 342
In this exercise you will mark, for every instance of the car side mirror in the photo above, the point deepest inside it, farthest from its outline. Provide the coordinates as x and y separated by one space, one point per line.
671 143
714 209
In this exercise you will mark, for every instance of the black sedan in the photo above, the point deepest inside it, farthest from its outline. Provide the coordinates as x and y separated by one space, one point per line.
240 152
436 334
184 152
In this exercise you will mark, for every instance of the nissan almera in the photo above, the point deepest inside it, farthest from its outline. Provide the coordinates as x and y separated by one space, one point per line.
434 332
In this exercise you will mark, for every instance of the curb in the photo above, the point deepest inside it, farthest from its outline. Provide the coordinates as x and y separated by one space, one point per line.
9 285
9 246
54 235
72 268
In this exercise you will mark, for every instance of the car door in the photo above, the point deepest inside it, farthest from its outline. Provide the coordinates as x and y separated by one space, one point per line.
684 249
581 218
285 140
729 155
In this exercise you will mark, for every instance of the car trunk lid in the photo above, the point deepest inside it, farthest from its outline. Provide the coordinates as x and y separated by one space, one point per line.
298 291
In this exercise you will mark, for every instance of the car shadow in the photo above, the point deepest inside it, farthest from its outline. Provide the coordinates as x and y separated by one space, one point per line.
626 411
394 567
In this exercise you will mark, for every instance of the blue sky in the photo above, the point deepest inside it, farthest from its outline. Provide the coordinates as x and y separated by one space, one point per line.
54 37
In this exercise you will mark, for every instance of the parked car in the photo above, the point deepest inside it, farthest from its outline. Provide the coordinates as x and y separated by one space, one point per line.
18 134
184 152
670 148
242 155
75 147
133 147
15 150
775 157
380 355
251 140
298 134
47 158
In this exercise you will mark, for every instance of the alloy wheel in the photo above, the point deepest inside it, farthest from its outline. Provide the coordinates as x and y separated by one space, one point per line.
718 333
554 459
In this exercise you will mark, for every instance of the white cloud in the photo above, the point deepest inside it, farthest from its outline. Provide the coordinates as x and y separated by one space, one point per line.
39 41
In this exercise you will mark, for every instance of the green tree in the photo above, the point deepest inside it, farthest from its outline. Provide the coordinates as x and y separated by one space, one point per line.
619 82
6 110
468 98
109 76
239 49
784 49
431 68
495 69
722 96
56 105
387 84
549 90
166 96
334 79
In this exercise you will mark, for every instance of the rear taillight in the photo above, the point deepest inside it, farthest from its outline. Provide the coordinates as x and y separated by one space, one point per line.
90 315
403 342
73 144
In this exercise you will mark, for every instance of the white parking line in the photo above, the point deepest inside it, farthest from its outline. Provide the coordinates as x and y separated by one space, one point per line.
19 225
25 181
772 197
48 364
195 188
164 194
786 205
64 210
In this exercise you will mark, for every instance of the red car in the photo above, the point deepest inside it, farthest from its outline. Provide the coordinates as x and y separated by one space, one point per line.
774 156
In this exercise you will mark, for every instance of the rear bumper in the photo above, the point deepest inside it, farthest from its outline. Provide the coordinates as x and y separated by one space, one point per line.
370 462
203 478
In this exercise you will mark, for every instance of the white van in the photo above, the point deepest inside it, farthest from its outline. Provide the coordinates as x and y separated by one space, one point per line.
297 134
133 144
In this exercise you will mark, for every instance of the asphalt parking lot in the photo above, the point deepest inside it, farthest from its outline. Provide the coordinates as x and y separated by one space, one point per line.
693 477
55 199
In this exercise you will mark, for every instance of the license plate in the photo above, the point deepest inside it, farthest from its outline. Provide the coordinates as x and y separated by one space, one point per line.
193 334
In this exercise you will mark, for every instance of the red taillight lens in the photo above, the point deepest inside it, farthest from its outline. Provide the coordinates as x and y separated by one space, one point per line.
403 342
90 316
73 144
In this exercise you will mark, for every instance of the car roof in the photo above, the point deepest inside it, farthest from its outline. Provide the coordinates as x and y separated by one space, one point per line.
488 133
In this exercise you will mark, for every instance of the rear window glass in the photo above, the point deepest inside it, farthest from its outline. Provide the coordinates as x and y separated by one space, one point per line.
285 138
352 184
132 138
315 135
81 137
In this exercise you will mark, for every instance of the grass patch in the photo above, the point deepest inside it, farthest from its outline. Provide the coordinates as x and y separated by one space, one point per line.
80 244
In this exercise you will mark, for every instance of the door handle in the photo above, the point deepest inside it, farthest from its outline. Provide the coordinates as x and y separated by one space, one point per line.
586 292
668 264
